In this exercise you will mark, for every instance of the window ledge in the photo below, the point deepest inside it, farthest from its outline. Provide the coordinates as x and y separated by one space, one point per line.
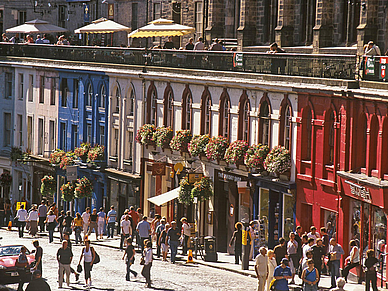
306 162
113 159
304 177
328 183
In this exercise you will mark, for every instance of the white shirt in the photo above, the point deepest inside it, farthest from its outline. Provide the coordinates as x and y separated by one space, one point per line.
262 263
51 218
85 217
271 266
126 225
33 216
199 46
186 229
21 215
306 248
314 236
148 256
356 258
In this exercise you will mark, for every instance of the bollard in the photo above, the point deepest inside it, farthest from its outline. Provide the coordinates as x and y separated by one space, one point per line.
190 257
9 225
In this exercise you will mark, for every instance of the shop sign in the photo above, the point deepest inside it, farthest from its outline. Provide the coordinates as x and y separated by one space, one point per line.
195 177
370 66
71 173
229 177
158 169
111 11
360 191
86 13
238 60
383 67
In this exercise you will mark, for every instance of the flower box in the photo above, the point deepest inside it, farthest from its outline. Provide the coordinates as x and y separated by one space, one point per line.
48 186
67 191
96 153
236 152
216 148
198 145
145 134
83 188
255 156
181 140
162 136
278 160
82 151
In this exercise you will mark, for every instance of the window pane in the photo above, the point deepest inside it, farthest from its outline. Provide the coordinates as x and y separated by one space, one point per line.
21 86
75 93
263 215
102 97
8 129
31 88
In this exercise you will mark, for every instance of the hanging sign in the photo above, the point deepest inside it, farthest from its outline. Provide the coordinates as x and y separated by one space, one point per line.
158 169
111 11
237 60
370 66
383 67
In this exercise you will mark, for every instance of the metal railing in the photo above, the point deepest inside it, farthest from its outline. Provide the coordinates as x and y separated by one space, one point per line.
304 65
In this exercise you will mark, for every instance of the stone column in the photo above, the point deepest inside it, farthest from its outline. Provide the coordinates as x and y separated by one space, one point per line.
284 32
246 32
367 30
323 29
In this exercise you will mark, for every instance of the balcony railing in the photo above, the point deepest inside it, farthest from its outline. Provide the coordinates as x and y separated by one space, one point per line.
304 65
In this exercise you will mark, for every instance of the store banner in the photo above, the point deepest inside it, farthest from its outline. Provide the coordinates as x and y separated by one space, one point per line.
383 67
111 11
237 60
370 66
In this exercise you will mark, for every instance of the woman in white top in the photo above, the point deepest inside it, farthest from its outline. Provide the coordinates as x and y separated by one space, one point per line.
271 267
353 260
33 219
146 272
89 255
101 217
51 222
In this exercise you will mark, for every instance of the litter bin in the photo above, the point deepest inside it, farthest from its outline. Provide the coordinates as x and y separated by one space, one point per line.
210 249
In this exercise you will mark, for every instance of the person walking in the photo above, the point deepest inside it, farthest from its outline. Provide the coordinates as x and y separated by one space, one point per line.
318 255
370 270
42 212
163 241
130 254
310 277
38 283
86 221
21 265
67 223
77 227
159 231
64 257
186 233
237 239
292 252
335 251
173 235
8 211
51 222
111 220
271 267
21 215
325 245
60 220
38 256
282 273
54 208
66 236
33 217
280 250
89 255
352 261
126 230
144 229
308 247
261 268
313 233
146 271
101 216
93 223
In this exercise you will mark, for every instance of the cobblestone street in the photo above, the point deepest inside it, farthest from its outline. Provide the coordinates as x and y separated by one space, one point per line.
109 274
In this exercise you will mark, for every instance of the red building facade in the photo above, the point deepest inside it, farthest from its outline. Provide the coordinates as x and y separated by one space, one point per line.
342 167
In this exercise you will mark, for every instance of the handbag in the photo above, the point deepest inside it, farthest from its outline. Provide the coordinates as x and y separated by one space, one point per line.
272 285
142 261
96 258
79 268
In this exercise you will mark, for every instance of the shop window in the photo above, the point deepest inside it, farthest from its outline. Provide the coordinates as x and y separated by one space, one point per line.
264 216
243 132
168 107
379 232
288 214
264 123
329 220
187 110
355 218
365 228
224 113
206 113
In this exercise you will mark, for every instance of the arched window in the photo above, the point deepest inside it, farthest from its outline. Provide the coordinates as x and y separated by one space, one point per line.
224 115
187 110
243 118
206 104
102 96
330 148
117 101
287 127
169 109
152 98
89 95
264 116
131 102
306 152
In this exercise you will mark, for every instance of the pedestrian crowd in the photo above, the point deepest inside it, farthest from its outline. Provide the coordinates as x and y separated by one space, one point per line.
40 39
308 255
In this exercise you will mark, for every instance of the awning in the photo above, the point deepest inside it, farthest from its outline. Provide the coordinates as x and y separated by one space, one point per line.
36 26
166 197
162 27
102 25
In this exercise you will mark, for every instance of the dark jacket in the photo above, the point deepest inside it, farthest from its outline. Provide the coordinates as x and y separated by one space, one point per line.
38 285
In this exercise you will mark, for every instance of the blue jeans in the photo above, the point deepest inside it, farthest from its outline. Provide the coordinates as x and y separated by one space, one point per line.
51 235
77 232
111 229
308 287
174 249
334 270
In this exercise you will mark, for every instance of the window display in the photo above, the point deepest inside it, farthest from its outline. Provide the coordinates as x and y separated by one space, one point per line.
263 216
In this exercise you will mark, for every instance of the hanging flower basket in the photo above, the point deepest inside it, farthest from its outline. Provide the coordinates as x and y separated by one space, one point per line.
16 154
82 151
96 153
181 140
202 189
5 179
255 156
49 186
145 134
67 160
83 188
198 145
236 151
278 161
185 191
56 157
215 149
67 191
163 136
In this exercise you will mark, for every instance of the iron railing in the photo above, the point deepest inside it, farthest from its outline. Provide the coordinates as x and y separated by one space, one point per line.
304 65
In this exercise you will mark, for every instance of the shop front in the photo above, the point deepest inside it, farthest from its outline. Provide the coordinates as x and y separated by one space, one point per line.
365 210
274 208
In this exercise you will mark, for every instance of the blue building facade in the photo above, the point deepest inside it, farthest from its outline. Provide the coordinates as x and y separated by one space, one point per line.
82 117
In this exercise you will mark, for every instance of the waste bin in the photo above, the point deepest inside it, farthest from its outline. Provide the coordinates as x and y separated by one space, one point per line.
210 249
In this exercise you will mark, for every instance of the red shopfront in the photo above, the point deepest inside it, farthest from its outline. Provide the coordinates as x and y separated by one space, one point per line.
364 206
